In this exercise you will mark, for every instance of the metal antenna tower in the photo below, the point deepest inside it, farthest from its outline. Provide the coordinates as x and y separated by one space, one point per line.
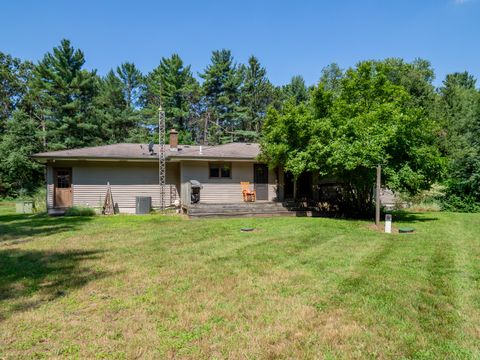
161 156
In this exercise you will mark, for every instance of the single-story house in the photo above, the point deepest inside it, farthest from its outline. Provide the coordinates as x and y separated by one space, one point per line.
79 177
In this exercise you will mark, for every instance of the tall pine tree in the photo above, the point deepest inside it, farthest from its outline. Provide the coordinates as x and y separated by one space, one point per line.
132 81
118 118
172 85
221 88
256 95
296 89
66 92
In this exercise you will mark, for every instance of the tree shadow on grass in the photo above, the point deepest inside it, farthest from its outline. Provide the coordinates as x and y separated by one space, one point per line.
15 228
413 217
30 278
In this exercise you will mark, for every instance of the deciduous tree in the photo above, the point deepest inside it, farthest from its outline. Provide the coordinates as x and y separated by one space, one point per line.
370 121
18 172
14 77
460 110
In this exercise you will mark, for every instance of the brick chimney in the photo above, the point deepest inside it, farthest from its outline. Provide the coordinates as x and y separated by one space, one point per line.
173 140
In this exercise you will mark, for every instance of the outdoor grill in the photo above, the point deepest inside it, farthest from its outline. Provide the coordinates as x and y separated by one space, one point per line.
195 187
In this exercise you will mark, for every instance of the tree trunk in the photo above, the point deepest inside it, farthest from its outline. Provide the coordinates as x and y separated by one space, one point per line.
295 188
44 134
205 129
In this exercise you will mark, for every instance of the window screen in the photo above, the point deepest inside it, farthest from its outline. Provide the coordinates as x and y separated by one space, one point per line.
220 170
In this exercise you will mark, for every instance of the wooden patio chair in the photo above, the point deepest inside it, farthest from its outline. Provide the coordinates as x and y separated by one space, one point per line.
248 194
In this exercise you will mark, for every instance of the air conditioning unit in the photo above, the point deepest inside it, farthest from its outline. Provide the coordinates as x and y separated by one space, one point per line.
143 205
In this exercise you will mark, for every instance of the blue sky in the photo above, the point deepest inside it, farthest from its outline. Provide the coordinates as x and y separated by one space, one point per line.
289 37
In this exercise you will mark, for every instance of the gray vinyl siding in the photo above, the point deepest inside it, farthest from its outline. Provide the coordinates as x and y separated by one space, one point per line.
127 181
49 187
222 190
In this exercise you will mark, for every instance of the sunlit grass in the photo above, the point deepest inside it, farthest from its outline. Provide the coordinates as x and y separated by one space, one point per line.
166 287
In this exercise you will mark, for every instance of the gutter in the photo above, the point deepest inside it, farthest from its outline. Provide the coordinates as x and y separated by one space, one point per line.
206 158
44 159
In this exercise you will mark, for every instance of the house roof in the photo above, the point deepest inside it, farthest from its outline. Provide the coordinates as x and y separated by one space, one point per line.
243 151
230 151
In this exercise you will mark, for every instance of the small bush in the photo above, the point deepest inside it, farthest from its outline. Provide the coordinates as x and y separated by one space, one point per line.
461 204
426 206
38 197
426 200
39 200
80 211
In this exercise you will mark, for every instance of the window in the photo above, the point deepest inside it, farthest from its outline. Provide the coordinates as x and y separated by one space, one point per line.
220 170
63 179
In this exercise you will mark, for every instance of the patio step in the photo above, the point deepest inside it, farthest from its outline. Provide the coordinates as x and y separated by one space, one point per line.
56 212
240 209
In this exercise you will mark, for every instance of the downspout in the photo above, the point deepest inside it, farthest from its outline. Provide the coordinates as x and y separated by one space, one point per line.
45 173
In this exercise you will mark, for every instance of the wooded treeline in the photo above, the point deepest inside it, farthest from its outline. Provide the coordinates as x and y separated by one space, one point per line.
385 112
58 104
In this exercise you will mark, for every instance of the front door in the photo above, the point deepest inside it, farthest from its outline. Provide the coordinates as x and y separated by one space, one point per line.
260 179
63 188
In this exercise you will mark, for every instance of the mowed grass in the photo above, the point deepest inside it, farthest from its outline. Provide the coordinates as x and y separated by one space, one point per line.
155 287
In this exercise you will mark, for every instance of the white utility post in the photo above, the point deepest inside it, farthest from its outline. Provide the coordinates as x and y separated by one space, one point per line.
388 223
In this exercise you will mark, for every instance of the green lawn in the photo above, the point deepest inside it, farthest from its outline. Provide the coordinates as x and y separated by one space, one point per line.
165 287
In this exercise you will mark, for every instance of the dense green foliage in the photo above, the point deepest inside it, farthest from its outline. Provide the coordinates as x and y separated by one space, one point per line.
379 112
66 92
172 86
18 173
58 104
221 86
460 105
256 95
